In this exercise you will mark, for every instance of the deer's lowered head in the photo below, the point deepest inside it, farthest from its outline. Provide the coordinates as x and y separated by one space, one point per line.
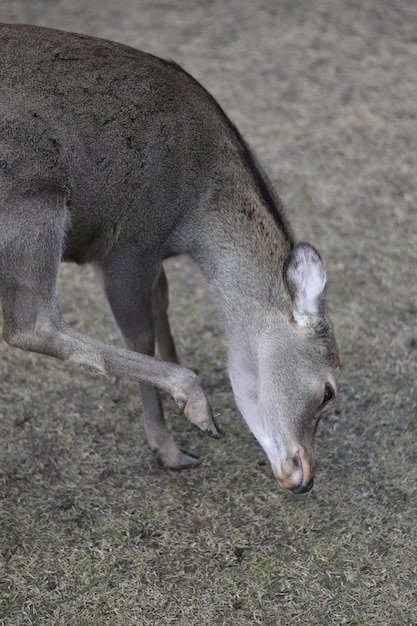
284 377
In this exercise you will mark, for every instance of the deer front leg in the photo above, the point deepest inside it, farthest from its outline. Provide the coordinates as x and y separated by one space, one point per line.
159 438
29 261
160 302
33 325
137 308
163 336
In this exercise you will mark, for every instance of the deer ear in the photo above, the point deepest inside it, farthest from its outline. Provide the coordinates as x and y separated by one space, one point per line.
305 278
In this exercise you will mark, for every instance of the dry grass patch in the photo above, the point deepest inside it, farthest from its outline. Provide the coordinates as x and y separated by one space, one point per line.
92 531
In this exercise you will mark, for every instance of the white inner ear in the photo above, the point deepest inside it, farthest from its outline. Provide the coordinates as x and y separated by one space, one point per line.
307 277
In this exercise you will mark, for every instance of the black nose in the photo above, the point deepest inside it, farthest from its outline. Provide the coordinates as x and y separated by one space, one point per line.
303 488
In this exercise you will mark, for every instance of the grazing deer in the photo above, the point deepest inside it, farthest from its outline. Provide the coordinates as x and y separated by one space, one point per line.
115 157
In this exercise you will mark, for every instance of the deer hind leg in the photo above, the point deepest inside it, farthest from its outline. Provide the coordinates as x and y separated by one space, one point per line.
140 311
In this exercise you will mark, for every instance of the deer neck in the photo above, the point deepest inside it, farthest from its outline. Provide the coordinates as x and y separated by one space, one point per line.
241 251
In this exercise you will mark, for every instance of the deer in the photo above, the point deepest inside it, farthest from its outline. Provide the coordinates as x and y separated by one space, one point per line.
118 158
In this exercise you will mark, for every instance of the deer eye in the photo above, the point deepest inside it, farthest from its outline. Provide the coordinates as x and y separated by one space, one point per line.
328 394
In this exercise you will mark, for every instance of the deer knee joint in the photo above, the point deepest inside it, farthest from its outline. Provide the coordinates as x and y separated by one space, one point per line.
88 361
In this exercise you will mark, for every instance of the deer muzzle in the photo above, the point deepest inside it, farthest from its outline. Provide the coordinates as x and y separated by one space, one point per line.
296 471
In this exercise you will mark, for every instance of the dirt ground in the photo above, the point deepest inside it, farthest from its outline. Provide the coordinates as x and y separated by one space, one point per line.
92 531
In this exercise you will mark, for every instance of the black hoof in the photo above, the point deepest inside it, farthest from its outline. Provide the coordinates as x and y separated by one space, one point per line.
185 460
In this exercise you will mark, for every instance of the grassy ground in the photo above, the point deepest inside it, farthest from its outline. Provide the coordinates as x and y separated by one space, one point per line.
92 531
